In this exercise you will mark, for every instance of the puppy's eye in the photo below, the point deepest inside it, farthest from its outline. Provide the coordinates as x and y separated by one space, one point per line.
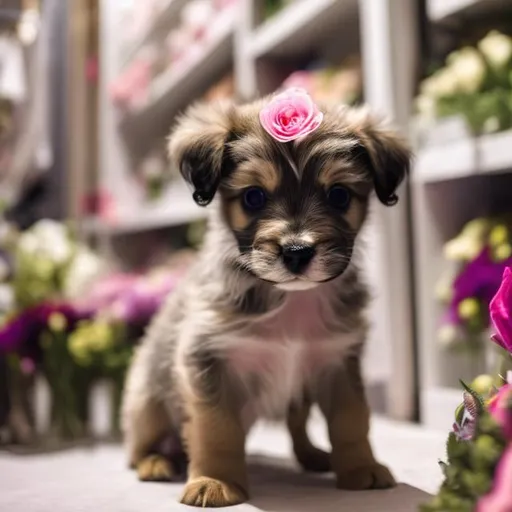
254 199
339 197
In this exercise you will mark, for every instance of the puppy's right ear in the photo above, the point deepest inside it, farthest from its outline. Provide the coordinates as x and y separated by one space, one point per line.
197 146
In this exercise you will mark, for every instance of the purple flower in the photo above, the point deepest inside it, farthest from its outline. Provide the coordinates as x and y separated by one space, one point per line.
480 279
143 300
464 432
22 333
106 292
501 312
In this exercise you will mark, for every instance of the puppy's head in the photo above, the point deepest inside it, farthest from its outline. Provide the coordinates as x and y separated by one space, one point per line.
294 208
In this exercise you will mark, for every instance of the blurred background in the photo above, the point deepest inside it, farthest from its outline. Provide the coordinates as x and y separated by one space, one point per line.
96 228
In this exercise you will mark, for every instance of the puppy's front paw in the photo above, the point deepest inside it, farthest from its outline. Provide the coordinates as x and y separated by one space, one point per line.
208 492
374 476
155 468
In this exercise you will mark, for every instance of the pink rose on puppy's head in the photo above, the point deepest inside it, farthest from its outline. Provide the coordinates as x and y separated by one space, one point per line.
290 115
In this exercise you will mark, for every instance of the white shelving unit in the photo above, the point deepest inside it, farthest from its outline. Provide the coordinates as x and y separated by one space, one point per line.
166 19
173 209
174 89
297 27
455 179
488 154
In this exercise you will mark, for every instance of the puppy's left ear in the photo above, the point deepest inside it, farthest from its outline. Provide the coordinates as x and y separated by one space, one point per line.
197 147
386 154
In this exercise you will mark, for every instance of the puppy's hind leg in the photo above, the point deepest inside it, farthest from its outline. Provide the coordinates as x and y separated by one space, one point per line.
309 456
145 422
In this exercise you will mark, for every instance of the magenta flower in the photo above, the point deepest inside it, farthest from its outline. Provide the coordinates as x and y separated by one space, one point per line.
22 333
480 279
500 498
501 312
290 115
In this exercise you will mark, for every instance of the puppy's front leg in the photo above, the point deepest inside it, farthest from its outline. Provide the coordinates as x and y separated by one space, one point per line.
342 400
215 440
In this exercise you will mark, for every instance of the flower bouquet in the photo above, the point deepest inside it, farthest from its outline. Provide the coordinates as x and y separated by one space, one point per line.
475 83
478 472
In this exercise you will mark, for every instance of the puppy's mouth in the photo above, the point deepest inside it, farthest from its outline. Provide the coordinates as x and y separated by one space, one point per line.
297 285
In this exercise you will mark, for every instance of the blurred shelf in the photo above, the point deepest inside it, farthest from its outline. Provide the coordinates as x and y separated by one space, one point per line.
466 157
175 208
173 90
297 27
446 10
159 27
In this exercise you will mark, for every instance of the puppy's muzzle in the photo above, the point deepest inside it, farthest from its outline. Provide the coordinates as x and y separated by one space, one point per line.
297 257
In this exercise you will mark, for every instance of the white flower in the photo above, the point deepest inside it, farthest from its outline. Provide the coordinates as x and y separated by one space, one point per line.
468 69
441 83
47 238
426 106
448 335
84 268
28 243
497 48
6 297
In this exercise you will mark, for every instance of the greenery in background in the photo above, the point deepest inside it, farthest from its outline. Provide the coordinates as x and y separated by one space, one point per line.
272 7
476 83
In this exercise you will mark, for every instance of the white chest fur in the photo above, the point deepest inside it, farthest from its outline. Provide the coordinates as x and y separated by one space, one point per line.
284 353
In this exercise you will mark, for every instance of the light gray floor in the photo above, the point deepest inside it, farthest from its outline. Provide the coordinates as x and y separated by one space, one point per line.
95 480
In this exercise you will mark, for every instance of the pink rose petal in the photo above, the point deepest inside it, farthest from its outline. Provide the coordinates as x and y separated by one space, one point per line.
290 115
500 498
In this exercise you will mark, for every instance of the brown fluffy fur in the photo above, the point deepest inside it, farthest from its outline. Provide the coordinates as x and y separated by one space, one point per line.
243 337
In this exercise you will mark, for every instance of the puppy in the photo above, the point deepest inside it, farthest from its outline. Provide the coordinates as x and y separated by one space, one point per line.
271 319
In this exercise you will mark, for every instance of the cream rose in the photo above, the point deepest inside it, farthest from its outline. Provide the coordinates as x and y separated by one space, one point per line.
468 68
496 48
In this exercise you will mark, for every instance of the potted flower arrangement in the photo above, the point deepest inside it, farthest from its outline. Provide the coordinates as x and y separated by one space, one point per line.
48 269
475 83
477 258
73 322
478 471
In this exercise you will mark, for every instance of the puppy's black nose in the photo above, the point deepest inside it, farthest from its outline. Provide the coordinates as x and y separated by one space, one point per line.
297 257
